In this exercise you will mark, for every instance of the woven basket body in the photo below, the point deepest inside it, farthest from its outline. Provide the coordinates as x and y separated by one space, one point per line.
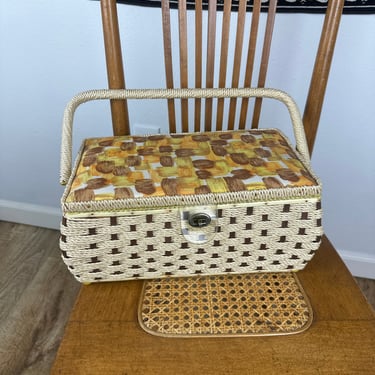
271 237
141 207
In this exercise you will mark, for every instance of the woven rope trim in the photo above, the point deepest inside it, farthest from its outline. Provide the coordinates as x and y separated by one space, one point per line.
66 145
232 305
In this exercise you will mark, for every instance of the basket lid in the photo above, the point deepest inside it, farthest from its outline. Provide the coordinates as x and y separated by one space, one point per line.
178 165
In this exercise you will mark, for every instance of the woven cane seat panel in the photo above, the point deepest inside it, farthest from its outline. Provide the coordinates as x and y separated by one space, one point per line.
231 305
168 165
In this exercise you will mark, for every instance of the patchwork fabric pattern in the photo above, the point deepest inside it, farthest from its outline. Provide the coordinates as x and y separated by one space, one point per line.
186 164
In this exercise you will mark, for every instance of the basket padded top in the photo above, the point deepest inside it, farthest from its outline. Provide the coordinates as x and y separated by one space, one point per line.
184 164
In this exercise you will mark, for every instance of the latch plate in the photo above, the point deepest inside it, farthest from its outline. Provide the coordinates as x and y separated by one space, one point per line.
199 220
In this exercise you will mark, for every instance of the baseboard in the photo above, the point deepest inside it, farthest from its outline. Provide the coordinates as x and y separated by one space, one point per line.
359 264
30 214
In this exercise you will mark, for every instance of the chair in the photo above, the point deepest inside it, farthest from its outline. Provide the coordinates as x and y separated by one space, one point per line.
205 76
103 333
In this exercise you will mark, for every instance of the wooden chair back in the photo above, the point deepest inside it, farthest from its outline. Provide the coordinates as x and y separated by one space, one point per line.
236 70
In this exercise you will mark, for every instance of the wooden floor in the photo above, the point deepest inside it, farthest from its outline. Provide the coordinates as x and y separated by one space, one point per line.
36 295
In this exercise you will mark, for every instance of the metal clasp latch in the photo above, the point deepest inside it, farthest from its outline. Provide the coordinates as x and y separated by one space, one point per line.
199 220
198 224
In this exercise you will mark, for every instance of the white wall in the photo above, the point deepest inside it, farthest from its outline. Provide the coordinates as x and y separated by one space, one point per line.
50 50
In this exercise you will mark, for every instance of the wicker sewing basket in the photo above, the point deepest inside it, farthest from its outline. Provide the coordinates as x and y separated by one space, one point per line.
141 207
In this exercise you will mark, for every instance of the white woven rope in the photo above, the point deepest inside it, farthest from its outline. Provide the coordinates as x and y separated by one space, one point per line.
269 236
66 145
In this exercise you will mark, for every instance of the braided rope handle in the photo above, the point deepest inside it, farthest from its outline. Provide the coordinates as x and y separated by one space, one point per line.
66 144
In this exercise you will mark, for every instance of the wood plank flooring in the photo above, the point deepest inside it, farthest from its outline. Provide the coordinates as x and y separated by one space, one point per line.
37 294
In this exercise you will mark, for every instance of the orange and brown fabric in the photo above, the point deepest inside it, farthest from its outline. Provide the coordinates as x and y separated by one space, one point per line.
186 164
